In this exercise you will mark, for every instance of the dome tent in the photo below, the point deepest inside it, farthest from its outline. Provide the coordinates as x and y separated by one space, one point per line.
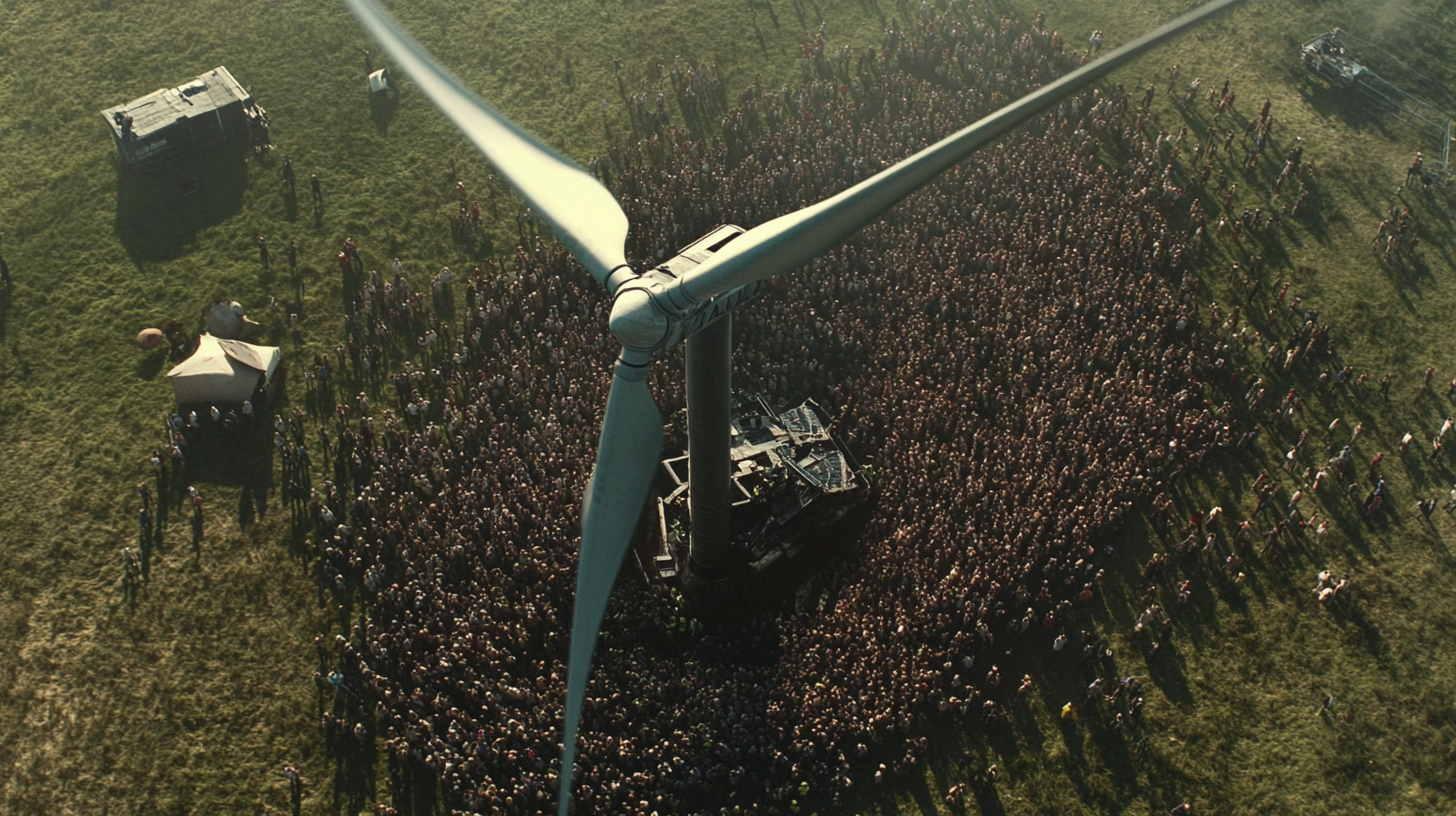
226 321
223 371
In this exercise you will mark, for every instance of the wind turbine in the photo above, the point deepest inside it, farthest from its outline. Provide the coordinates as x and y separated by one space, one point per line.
654 310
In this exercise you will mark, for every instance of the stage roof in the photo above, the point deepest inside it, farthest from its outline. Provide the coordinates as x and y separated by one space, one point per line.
159 110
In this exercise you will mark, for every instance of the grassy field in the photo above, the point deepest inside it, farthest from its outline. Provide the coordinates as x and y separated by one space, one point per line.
186 697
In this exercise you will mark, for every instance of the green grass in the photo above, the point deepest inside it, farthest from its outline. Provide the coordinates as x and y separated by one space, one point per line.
188 697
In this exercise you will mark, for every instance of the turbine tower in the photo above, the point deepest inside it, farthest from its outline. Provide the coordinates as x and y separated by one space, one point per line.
710 503
654 310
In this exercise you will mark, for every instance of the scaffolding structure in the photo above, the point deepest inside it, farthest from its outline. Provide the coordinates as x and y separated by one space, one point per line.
1328 56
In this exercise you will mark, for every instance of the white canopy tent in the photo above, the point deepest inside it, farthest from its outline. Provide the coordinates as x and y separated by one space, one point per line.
223 371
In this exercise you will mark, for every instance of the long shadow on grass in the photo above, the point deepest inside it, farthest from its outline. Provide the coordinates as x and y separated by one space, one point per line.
383 106
1347 105
987 800
354 775
1369 636
1165 670
147 368
158 213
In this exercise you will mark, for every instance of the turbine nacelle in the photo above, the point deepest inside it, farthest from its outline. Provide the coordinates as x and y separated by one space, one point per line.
651 312
646 317
637 321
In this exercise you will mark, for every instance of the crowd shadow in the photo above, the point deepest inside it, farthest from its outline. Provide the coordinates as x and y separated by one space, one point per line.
217 457
353 763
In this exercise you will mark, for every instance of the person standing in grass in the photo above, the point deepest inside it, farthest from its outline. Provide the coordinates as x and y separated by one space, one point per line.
159 469
296 783
351 251
131 566
196 499
1372 504
4 272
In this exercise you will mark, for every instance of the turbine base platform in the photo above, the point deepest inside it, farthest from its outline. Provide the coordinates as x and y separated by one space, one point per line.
793 482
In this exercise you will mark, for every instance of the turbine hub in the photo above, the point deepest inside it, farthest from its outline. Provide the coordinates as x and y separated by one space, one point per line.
637 321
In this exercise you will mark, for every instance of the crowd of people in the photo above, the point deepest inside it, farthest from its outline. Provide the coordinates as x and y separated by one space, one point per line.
1021 346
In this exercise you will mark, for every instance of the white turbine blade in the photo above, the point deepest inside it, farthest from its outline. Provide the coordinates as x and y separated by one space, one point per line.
583 214
792 240
627 456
